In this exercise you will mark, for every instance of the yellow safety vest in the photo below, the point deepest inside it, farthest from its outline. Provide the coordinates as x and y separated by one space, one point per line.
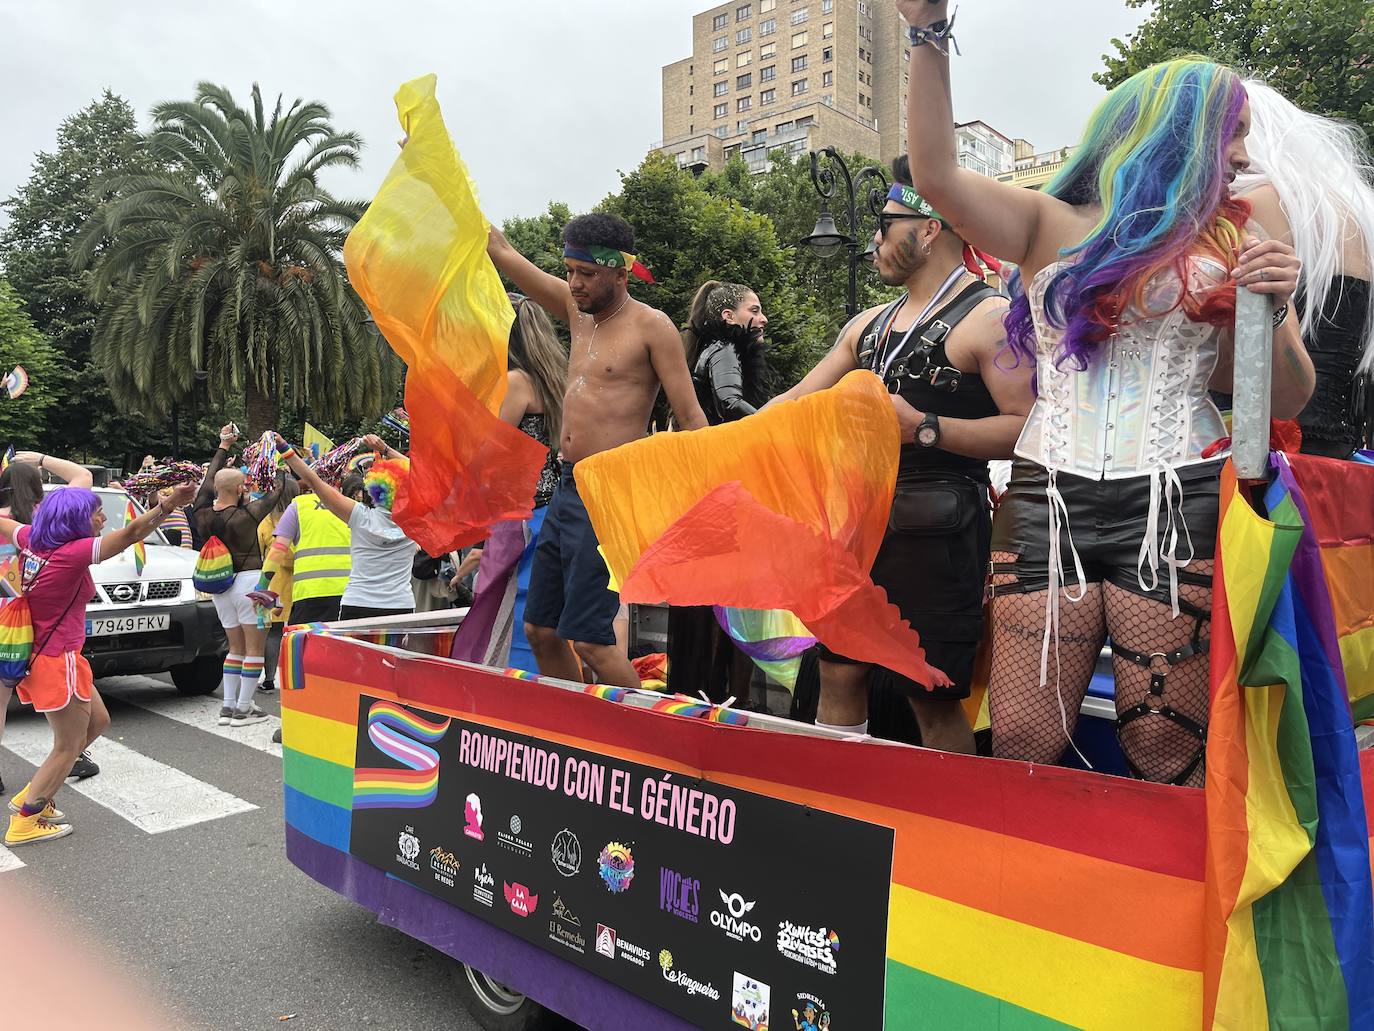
322 562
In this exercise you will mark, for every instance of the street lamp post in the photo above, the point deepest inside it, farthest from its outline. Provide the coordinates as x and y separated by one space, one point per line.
828 238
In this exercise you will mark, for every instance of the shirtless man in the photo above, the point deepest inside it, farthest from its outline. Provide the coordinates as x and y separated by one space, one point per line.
621 351
937 348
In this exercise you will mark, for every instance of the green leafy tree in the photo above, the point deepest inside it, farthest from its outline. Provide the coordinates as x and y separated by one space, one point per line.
24 419
1319 53
45 217
222 267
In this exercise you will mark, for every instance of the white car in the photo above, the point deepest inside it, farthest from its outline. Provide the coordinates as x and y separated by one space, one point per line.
154 623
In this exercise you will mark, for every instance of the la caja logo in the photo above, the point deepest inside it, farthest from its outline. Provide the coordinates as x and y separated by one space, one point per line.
522 903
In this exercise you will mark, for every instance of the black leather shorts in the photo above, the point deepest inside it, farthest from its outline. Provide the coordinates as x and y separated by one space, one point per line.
933 564
1107 519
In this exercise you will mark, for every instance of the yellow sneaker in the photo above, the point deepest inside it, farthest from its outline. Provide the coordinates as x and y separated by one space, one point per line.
49 813
26 830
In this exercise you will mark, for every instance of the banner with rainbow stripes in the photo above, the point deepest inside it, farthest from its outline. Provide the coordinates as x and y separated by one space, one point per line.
1022 896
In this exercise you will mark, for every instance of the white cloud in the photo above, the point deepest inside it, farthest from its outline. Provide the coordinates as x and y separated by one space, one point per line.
546 100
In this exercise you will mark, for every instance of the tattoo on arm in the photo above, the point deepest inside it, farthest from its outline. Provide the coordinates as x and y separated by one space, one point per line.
1300 372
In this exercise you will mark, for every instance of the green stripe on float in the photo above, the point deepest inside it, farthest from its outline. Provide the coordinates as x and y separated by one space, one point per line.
916 999
318 778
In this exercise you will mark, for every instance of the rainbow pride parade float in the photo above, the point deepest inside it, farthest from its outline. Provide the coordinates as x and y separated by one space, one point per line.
631 861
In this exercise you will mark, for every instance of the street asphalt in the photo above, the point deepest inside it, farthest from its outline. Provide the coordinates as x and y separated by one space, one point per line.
210 919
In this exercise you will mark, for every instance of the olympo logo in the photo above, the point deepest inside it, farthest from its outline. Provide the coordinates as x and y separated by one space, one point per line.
732 921
522 903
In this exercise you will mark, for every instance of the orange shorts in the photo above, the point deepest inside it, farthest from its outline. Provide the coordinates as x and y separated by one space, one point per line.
54 680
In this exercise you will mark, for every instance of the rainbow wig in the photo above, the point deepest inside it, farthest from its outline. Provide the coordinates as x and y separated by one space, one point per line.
383 481
63 517
1154 157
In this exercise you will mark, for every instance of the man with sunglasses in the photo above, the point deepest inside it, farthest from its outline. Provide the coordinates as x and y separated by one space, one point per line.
960 402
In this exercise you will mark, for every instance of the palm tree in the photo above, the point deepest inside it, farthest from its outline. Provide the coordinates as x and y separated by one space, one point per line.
224 267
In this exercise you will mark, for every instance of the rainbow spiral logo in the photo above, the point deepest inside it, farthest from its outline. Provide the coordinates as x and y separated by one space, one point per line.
616 865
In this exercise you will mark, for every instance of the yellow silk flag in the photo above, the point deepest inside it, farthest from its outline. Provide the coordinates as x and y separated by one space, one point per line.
418 259
783 510
316 443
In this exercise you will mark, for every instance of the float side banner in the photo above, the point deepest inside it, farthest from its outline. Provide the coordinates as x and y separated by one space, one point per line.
714 903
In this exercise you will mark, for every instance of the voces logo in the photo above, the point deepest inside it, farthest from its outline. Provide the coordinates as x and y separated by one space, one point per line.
812 947
482 884
679 895
522 903
732 921
408 848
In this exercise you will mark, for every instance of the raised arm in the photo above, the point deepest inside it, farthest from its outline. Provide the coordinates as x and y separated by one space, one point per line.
206 495
112 543
842 359
259 509
74 475
329 497
670 364
549 292
1016 224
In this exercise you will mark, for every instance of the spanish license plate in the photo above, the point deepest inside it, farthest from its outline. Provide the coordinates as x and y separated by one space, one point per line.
110 626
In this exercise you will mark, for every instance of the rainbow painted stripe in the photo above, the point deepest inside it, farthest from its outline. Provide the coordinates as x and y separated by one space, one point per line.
1022 897
605 692
400 735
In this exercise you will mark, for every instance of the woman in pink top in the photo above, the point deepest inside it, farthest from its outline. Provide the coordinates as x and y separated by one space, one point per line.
56 553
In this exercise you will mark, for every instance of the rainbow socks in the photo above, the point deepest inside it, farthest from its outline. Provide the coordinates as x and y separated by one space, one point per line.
248 681
233 669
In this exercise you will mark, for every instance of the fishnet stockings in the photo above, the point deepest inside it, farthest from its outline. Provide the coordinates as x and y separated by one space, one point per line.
1026 720
1160 748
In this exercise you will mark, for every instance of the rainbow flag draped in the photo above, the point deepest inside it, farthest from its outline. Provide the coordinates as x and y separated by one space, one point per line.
418 260
140 549
774 640
1290 935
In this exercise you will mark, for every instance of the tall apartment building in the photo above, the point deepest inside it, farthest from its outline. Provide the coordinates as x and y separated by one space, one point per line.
795 75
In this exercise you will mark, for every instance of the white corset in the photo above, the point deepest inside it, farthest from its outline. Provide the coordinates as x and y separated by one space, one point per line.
1141 405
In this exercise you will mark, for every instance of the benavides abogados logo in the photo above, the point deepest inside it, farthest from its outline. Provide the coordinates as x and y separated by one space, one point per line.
616 864
408 740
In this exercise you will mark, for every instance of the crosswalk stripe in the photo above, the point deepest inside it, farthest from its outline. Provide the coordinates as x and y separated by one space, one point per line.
201 713
153 796
8 860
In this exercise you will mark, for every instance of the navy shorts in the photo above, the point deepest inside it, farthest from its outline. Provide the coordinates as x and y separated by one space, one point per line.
569 583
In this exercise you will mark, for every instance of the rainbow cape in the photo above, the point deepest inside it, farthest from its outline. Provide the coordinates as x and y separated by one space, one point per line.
418 259
785 510
1290 928
140 549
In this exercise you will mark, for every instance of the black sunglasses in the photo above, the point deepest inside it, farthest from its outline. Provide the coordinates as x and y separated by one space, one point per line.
885 220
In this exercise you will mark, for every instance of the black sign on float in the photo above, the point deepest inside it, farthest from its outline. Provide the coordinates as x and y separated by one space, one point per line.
719 905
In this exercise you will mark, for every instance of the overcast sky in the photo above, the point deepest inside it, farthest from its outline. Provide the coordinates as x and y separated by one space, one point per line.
547 100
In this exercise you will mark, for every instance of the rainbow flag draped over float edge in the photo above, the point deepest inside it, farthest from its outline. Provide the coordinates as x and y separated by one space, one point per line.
1290 937
418 259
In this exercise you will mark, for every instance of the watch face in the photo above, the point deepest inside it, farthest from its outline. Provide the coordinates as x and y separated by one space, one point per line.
927 436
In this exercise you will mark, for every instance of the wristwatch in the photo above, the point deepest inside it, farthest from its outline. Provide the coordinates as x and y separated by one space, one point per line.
928 432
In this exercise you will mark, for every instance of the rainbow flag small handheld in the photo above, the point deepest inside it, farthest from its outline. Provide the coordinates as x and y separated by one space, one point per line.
140 548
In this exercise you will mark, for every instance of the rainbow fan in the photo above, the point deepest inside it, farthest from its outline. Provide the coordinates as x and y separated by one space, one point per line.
16 382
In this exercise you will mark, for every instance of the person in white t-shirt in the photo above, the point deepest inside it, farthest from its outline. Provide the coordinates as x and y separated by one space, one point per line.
381 554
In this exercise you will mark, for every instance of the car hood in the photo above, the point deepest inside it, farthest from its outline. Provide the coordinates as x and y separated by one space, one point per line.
164 563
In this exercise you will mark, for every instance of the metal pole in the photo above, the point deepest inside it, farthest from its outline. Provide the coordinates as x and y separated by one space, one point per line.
851 306
1254 361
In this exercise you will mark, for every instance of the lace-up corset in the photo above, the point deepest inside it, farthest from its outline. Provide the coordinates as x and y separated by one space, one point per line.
1141 405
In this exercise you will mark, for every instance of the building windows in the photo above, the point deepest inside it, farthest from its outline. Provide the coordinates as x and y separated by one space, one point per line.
800 15
744 13
722 66
767 5
798 40
827 78
862 98
744 60
767 97
768 27
827 30
768 50
759 136
744 81
828 100
863 54
698 153
864 9
806 121
719 44
768 74
798 87
722 131
799 64
906 56
719 22
720 89
743 36
740 126
827 55
782 127
743 104
827 6
722 110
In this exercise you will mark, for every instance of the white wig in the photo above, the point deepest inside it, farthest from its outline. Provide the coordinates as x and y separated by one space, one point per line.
1321 170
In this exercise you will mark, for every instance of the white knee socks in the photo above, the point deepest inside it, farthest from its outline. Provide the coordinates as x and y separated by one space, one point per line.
233 668
248 681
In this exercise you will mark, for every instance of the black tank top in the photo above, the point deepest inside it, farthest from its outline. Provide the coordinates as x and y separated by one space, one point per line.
1336 419
922 374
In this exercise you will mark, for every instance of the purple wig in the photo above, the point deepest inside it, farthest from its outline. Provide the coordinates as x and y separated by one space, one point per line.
63 517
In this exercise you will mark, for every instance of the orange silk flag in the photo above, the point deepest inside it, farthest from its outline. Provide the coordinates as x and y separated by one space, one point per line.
418 259
783 510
